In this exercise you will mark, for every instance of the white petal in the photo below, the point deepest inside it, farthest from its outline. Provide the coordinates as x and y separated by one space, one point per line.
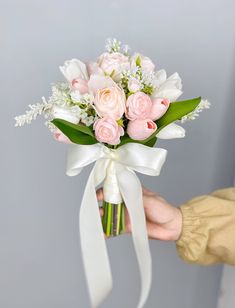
99 82
177 80
171 88
171 93
160 77
65 114
73 69
171 131
75 95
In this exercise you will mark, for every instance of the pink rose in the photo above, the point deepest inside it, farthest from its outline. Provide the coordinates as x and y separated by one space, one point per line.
159 108
138 106
113 64
108 131
110 102
141 129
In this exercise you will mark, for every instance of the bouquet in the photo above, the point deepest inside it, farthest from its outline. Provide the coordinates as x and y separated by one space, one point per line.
111 112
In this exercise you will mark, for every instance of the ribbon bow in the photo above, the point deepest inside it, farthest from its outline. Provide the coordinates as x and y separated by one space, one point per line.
125 161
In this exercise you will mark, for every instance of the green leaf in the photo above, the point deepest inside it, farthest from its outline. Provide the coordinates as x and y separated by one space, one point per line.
78 127
176 111
126 139
77 133
151 142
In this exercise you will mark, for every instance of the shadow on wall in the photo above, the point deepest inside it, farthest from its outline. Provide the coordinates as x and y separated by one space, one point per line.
224 171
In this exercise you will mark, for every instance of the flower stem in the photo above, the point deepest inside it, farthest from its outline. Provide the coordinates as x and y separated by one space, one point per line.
113 219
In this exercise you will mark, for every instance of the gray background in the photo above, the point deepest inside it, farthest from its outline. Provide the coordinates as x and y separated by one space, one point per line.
40 261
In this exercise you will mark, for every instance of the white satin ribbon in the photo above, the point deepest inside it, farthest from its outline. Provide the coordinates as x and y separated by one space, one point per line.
125 160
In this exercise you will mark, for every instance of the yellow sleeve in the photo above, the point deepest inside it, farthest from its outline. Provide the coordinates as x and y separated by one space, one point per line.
208 234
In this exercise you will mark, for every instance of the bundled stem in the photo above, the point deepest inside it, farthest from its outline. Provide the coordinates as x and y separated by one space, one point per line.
113 219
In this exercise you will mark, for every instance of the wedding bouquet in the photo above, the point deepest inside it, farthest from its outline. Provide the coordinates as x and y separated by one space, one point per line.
112 111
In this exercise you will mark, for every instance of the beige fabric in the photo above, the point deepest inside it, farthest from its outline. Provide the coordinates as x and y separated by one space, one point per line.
208 234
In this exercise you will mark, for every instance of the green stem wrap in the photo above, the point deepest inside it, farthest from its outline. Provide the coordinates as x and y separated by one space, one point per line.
113 219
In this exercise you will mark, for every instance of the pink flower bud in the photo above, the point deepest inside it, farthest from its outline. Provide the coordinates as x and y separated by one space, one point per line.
141 129
80 85
59 136
159 108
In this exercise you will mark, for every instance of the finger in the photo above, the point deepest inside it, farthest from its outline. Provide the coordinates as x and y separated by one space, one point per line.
146 191
100 194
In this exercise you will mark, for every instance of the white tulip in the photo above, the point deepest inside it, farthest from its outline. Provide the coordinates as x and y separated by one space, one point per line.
64 114
170 88
171 131
74 69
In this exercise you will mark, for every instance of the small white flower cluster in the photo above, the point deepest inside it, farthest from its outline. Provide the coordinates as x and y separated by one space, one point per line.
204 104
142 81
80 107
60 94
33 112
113 45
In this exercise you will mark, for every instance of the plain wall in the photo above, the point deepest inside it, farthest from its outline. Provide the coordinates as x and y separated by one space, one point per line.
40 261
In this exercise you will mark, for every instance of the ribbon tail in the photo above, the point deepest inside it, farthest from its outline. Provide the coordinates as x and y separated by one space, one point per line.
94 251
132 196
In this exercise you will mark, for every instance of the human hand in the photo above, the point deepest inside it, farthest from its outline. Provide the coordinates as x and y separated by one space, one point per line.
164 222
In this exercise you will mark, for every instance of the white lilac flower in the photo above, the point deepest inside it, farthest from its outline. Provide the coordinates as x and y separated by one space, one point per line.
75 96
89 120
204 104
87 99
113 45
33 112
126 50
51 126
60 94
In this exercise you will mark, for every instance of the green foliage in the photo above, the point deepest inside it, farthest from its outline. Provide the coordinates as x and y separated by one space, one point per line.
175 112
77 133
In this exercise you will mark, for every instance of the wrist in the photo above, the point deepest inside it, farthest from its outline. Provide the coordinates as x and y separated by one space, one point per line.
177 224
